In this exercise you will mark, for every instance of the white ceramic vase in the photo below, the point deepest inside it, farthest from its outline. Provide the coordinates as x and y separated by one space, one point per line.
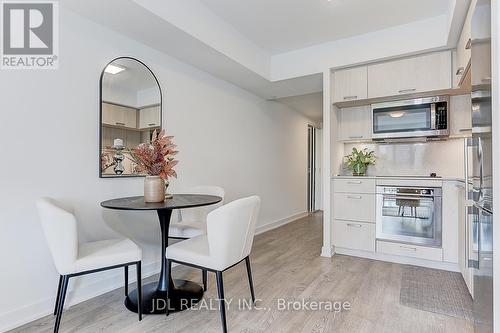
154 189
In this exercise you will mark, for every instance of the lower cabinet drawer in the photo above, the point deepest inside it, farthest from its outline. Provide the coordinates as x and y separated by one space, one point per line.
354 235
414 251
354 207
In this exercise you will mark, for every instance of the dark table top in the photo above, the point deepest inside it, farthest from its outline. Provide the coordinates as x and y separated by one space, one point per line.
177 202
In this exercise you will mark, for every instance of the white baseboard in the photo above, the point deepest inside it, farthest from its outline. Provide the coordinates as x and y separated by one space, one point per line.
276 224
327 251
447 266
80 292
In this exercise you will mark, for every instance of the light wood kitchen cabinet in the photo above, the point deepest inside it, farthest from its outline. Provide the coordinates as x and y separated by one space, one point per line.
149 117
419 74
118 115
467 273
460 116
354 235
350 84
412 251
355 123
347 206
354 185
463 53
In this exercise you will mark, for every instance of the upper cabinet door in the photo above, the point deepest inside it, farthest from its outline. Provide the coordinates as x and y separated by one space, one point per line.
460 116
463 55
409 76
355 123
118 115
350 84
149 117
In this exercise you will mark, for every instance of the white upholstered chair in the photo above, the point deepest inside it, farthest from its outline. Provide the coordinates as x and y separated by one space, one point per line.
229 238
192 222
71 259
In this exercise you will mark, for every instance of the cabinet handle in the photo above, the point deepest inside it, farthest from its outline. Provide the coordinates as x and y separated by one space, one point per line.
120 124
468 45
408 248
407 90
346 98
465 129
354 197
460 71
356 137
353 225
151 124
460 186
354 182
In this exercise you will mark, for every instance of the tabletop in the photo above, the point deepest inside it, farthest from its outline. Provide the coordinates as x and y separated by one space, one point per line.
178 201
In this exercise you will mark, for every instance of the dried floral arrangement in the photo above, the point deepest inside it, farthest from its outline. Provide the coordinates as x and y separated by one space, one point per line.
156 158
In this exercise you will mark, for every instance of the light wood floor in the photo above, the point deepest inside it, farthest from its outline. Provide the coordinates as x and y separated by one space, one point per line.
286 264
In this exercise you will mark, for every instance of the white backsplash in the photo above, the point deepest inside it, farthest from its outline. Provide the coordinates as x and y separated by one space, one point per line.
445 158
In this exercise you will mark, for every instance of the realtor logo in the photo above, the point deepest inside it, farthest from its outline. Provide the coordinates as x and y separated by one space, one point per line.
29 35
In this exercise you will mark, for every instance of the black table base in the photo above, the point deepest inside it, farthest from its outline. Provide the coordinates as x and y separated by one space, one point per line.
154 301
154 296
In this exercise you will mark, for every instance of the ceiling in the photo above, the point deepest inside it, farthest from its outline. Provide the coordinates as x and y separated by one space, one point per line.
309 105
246 43
283 25
135 77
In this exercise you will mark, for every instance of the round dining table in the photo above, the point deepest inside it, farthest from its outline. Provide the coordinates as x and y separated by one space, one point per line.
183 293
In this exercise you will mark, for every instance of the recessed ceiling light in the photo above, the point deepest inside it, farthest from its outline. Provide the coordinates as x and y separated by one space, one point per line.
114 69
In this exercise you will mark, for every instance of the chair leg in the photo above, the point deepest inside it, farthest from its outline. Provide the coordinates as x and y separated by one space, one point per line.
250 280
139 289
58 294
60 306
168 267
222 303
204 278
126 280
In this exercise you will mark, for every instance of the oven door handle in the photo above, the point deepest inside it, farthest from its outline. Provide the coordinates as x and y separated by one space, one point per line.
409 196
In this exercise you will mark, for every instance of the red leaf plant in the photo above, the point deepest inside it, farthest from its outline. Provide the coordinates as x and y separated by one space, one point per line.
156 158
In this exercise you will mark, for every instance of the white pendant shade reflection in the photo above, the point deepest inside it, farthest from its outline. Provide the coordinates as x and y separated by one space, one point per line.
114 69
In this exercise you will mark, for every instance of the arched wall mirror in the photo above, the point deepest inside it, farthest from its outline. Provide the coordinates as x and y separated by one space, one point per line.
130 110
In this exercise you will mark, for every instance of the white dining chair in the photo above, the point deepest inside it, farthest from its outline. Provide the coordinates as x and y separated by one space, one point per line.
71 259
192 222
229 238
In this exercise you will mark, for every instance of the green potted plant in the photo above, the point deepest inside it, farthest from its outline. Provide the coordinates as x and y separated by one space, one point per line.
359 160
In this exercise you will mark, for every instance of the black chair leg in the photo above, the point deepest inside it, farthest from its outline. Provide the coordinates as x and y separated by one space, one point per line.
222 303
139 289
58 294
250 280
126 280
168 267
204 277
60 305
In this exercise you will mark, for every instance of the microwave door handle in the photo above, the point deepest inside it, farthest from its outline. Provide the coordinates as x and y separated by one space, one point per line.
433 116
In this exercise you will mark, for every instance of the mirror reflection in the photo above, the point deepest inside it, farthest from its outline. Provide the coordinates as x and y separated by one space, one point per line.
130 112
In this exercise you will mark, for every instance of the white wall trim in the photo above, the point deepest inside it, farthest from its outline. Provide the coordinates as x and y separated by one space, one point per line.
113 280
82 292
447 266
327 251
276 224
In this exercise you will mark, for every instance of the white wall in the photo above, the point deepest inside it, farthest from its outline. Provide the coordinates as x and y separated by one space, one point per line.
49 133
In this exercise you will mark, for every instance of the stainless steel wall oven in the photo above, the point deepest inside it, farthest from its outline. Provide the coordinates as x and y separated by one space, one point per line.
409 215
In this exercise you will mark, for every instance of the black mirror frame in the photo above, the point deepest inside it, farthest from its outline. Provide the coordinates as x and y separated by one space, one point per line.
100 113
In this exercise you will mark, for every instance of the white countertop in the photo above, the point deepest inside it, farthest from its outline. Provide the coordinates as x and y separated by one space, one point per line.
456 179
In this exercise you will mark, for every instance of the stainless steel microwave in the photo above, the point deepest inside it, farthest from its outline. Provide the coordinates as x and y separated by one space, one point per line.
420 117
